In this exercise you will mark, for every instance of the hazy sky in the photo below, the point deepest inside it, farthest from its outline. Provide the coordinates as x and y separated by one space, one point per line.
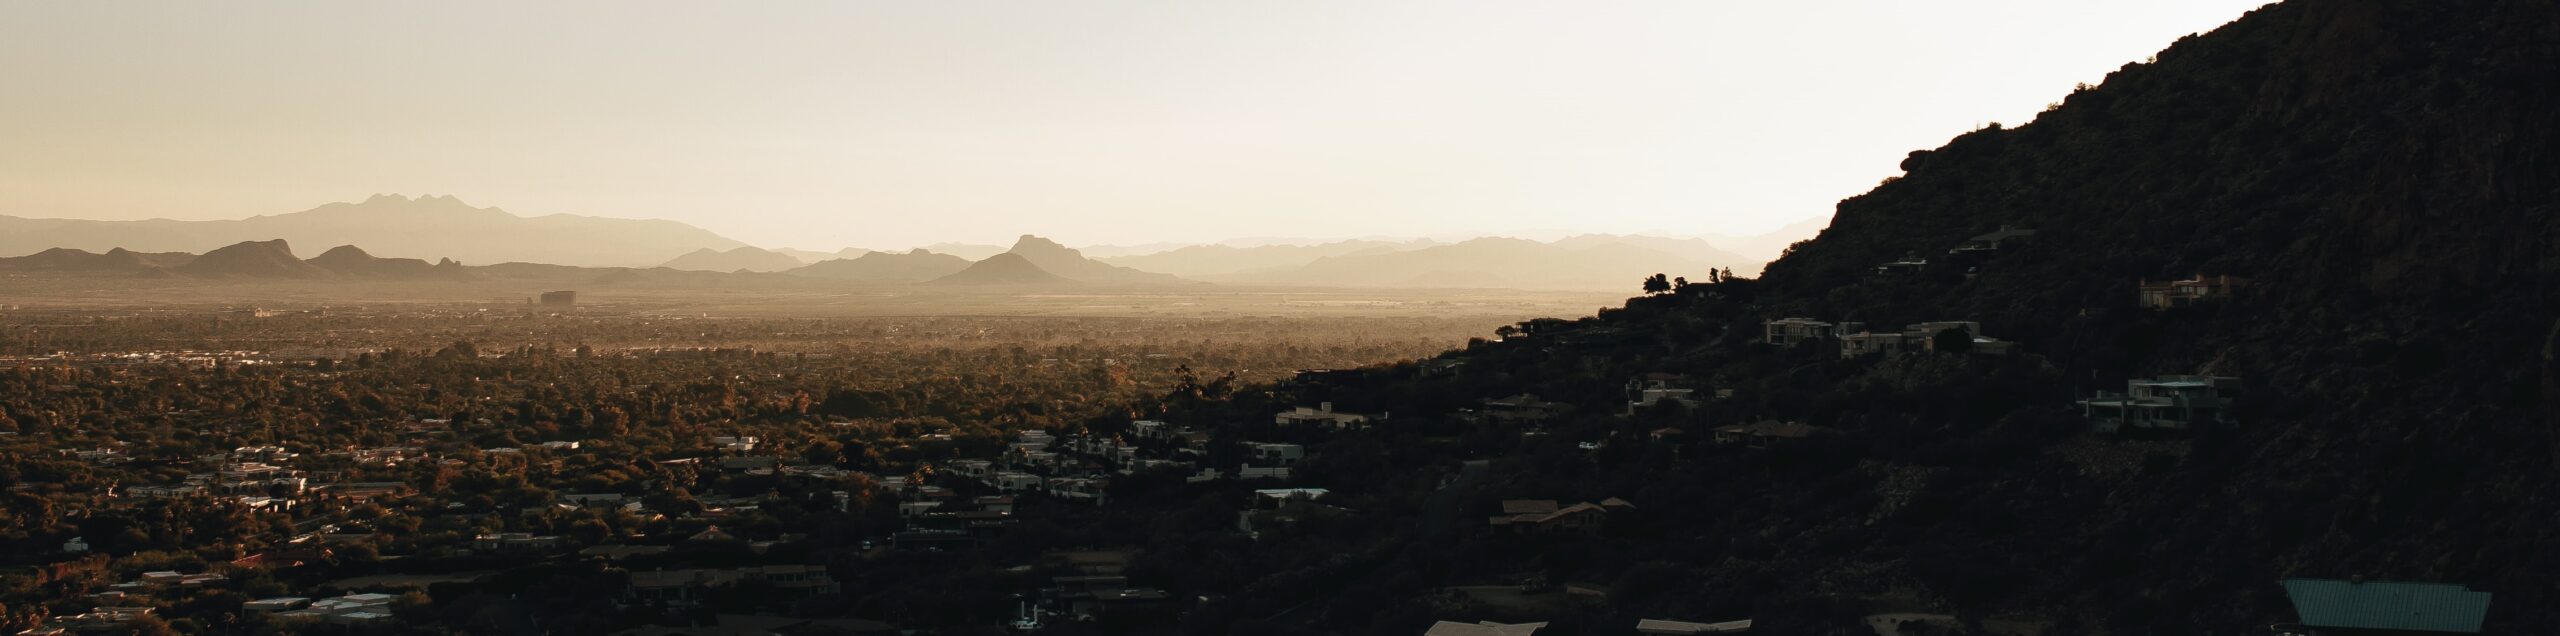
877 124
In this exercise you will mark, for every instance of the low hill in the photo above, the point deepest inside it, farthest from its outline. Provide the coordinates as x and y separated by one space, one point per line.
752 259
1064 261
114 261
1003 269
252 259
349 260
884 267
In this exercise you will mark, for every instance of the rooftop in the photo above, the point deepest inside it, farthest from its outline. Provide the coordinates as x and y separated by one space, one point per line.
2391 605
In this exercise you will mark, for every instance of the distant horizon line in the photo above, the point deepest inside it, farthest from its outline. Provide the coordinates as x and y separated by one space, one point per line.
1543 235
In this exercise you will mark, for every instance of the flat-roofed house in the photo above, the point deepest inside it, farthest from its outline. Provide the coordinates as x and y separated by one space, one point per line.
1322 415
1483 628
1654 626
2165 402
1788 332
2183 293
2329 607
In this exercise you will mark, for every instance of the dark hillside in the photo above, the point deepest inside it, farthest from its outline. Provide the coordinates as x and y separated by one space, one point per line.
2383 172
2386 173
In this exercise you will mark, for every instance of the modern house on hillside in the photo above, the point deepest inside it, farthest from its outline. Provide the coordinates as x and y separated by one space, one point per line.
1544 516
2167 402
1788 332
1906 265
1655 388
1919 338
1521 409
2328 607
1483 628
1322 415
1766 433
2182 293
1993 241
1655 626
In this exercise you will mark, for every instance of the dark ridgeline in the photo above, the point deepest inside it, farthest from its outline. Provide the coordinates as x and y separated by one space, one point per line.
1066 262
2382 174
748 258
1003 269
911 267
389 224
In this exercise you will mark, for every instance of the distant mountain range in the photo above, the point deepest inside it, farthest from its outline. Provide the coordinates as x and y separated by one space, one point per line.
749 259
427 226
443 227
248 260
1581 262
1004 269
884 267
1208 261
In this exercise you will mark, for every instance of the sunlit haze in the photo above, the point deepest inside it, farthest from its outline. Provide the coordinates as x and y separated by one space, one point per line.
824 124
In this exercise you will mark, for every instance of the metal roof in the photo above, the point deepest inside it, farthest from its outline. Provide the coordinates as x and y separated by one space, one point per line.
2427 607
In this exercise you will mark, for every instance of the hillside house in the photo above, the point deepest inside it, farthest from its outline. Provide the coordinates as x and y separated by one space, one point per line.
517 542
1322 415
1521 409
2328 607
1275 507
255 477
164 492
1483 628
2183 293
1767 433
2165 402
1788 332
349 610
1273 454
1991 242
1656 388
1655 626
1920 338
1544 516
1907 265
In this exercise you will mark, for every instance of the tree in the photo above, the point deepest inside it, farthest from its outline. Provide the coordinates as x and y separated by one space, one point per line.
1952 340
1657 284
